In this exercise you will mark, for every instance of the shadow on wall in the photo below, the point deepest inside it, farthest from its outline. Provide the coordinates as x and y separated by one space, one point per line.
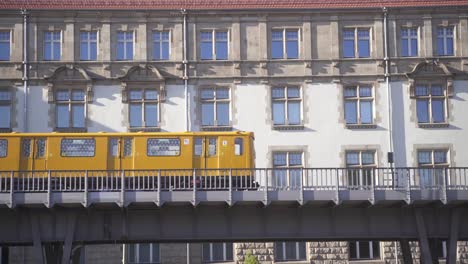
398 121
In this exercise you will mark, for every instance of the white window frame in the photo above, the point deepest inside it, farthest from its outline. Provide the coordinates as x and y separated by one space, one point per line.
9 41
125 43
297 247
408 40
430 98
285 51
9 103
432 165
161 41
52 41
446 36
288 167
358 99
360 168
88 42
70 102
285 100
216 101
213 42
356 41
137 254
143 101
371 250
225 249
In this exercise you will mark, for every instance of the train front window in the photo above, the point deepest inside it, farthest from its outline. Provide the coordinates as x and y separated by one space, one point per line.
41 147
238 146
26 147
198 147
114 147
212 147
74 147
128 145
3 148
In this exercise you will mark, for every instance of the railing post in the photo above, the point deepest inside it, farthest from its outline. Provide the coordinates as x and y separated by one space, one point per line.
337 187
122 188
85 203
49 181
301 188
229 201
408 186
194 180
443 190
372 198
12 190
265 194
158 191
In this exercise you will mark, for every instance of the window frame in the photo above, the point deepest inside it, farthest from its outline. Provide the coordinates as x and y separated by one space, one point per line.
284 40
136 250
9 41
432 164
225 245
148 140
8 103
215 101
70 102
287 181
371 250
161 41
360 175
358 99
124 41
52 42
76 156
286 100
298 247
214 41
445 38
143 102
430 99
88 41
408 39
356 39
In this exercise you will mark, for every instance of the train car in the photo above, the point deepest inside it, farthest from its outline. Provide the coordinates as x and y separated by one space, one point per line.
125 151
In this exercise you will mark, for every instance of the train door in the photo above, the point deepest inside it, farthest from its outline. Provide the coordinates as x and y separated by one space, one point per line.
206 152
33 154
120 153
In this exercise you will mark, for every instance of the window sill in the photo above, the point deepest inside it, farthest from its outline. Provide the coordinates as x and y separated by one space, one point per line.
6 130
144 129
433 125
361 126
71 129
288 127
216 128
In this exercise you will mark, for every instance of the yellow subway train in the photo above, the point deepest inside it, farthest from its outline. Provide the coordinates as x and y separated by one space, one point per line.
126 151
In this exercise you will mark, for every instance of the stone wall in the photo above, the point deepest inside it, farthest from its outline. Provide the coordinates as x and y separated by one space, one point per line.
263 251
333 252
103 254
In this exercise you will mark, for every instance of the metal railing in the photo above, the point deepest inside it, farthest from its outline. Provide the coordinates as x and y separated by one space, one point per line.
313 179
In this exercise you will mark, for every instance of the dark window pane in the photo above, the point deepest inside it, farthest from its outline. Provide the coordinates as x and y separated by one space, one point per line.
208 114
292 49
351 112
136 115
62 116
206 50
348 48
229 253
279 250
78 115
422 108
206 252
364 250
364 48
352 250
218 251
438 112
151 115
277 50
366 112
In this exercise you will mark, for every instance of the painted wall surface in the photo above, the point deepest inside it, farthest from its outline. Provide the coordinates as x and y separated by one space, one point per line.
106 112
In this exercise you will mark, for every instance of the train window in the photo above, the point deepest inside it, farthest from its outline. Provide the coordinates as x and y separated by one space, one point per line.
198 147
77 147
128 145
26 147
163 147
238 146
3 148
41 147
212 147
114 147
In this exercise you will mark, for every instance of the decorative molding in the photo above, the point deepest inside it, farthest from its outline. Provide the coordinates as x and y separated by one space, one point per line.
430 70
142 74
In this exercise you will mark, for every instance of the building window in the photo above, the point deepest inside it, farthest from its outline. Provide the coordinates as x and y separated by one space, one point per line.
5 45
287 168
52 45
5 109
3 148
360 166
361 250
440 248
125 45
432 164
445 41
290 251
431 103
286 102
285 44
161 45
70 108
358 102
216 252
77 147
217 49
215 107
148 253
356 43
143 108
88 45
409 42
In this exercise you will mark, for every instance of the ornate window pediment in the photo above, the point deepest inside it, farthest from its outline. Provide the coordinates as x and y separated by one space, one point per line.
69 76
143 76
430 71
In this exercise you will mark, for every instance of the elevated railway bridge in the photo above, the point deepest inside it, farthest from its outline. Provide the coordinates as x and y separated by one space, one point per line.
301 204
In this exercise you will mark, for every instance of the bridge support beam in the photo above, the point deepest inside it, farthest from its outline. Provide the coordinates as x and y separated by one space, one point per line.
426 257
36 235
453 237
406 251
67 247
